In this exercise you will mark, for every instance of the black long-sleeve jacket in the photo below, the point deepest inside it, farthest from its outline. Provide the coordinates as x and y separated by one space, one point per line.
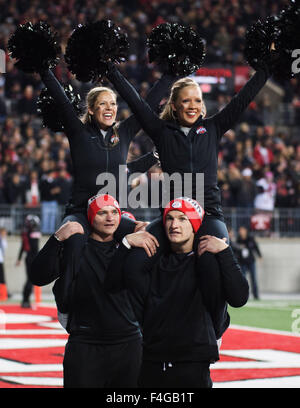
91 154
181 308
94 314
198 151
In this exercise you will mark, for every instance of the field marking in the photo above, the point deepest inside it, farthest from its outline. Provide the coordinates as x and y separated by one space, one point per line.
8 366
13 343
32 332
278 382
261 330
45 381
261 358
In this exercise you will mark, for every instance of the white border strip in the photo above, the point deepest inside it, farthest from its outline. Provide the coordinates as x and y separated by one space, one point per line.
261 330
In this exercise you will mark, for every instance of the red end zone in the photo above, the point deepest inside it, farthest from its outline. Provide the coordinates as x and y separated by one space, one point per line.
32 346
247 354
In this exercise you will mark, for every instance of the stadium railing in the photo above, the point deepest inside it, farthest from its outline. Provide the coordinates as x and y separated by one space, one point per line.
282 222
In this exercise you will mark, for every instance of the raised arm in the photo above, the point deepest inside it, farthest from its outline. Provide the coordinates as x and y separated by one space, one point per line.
153 98
229 115
45 266
70 119
147 118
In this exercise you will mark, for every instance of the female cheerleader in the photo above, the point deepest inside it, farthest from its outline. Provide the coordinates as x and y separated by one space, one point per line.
187 141
97 145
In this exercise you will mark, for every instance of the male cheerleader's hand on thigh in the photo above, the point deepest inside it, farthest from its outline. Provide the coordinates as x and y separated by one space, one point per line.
143 239
68 229
211 244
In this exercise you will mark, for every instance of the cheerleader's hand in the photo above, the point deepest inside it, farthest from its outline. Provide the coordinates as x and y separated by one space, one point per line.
68 229
211 244
143 239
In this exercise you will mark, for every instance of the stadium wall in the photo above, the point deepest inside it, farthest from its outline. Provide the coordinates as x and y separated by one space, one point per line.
278 271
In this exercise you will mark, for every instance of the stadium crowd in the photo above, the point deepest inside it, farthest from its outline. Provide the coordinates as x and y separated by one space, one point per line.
259 160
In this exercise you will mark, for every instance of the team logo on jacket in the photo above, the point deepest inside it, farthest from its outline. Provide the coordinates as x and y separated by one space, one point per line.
114 140
200 130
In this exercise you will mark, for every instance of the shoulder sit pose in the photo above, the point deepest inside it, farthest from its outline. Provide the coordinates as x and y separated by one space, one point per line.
104 346
187 141
97 145
180 305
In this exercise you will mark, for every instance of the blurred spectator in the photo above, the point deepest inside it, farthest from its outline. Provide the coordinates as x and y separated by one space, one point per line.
27 104
234 178
247 191
265 199
3 246
262 152
285 191
49 193
30 238
228 146
3 110
32 190
248 250
15 190
64 183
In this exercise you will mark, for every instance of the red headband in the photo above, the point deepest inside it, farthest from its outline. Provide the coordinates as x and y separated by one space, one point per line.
191 208
97 202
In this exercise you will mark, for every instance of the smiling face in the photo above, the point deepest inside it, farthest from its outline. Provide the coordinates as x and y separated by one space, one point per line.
105 223
188 105
105 109
179 231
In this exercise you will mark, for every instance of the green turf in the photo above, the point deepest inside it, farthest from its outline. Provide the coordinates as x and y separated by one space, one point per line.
268 314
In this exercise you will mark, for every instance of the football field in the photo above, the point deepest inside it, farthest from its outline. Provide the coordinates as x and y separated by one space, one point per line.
261 349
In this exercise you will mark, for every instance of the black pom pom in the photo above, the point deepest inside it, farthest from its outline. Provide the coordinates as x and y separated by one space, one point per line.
50 113
259 38
283 31
91 46
288 40
35 47
178 49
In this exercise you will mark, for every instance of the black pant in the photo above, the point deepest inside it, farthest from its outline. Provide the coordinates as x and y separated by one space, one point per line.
2 274
102 366
251 268
27 288
183 374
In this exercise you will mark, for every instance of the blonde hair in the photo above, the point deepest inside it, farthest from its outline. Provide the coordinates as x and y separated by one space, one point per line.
91 99
168 113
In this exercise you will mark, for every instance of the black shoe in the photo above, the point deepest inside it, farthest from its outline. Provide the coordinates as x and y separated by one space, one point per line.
26 304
